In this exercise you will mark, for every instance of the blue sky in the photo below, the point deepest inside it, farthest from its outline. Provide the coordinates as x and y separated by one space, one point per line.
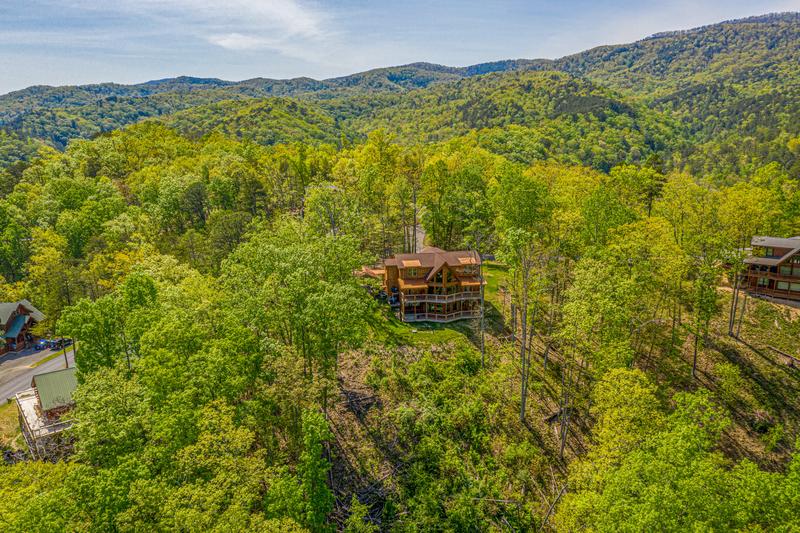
59 42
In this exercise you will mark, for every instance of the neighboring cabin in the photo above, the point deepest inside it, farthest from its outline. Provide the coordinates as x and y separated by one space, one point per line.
433 285
774 268
43 411
16 321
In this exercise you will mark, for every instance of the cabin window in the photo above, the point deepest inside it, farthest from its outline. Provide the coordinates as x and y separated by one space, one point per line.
769 252
786 270
795 259
795 287
470 270
411 272
763 282
782 285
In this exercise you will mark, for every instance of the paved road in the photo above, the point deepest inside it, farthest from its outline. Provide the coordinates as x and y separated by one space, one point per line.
16 371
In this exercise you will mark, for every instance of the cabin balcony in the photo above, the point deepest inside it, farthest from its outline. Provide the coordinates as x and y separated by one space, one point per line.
753 276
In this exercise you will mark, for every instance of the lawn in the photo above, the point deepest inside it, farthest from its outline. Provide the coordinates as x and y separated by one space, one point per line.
10 436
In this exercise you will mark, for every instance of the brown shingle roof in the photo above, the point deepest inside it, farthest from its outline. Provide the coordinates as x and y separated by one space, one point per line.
434 259
793 244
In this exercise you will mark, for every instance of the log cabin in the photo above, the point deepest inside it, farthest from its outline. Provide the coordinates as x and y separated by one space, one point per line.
16 321
773 268
434 285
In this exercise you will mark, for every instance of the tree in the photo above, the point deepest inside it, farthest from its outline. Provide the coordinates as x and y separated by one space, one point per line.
358 521
705 303
312 470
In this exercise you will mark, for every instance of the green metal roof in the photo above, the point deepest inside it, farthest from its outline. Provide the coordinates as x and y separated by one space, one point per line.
16 326
55 388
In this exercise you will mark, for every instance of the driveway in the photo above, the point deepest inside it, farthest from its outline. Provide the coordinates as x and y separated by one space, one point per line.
16 371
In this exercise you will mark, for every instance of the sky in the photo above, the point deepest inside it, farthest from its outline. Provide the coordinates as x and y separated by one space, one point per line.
59 42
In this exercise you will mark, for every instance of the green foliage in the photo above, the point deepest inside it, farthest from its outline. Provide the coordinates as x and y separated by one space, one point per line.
204 259
671 479
312 469
356 521
730 381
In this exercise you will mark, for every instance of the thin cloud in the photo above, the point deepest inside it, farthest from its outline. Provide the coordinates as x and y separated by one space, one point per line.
289 27
289 17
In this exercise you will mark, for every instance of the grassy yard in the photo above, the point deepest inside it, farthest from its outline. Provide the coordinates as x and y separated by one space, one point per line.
10 436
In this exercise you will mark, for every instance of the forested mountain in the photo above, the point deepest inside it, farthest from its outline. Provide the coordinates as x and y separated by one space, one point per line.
200 240
735 85
757 49
732 87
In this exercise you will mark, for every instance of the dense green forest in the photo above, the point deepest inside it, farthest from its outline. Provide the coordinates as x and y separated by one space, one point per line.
199 239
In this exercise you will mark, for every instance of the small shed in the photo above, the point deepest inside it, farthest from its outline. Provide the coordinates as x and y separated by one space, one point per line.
54 389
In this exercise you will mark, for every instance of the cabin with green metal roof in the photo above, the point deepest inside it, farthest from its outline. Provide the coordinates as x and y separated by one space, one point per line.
54 389
44 412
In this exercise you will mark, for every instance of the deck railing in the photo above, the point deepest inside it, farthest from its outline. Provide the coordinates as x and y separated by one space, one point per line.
440 317
775 293
755 274
441 298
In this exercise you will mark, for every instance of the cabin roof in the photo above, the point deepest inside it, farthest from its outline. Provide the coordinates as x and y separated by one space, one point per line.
792 244
16 326
55 388
434 259
8 308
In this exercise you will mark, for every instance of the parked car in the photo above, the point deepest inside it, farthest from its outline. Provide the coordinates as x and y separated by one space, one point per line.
41 344
57 344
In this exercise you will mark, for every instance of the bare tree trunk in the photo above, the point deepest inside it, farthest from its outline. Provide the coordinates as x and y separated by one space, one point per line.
741 316
414 200
523 347
564 429
734 305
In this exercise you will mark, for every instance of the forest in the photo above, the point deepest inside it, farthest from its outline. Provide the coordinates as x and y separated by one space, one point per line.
200 239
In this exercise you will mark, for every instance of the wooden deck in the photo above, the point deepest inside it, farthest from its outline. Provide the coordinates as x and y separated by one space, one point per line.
440 317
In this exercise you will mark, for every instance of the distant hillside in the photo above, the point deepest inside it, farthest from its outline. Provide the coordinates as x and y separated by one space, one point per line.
58 114
743 51
523 115
265 121
734 85
58 125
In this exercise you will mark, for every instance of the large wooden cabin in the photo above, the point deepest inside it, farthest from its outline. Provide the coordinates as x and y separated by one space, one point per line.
773 269
434 285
